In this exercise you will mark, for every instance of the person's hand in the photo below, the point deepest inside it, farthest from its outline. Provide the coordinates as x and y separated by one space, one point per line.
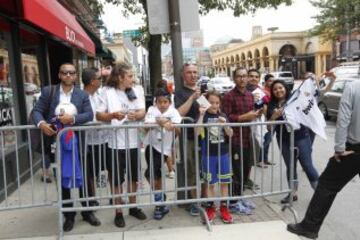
47 129
221 120
168 126
202 110
196 94
330 75
338 156
66 119
131 116
277 113
253 114
162 121
118 115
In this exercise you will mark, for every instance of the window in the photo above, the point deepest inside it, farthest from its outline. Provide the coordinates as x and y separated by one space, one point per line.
6 93
338 86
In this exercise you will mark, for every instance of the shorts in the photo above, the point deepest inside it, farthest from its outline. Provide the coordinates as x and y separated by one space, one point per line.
214 171
156 163
95 159
121 161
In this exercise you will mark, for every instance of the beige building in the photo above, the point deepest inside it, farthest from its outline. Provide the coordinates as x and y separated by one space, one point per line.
122 53
276 51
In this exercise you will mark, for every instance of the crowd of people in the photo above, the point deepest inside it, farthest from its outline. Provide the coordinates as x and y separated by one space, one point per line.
116 101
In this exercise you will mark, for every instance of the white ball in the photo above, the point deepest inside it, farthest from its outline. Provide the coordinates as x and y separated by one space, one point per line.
66 108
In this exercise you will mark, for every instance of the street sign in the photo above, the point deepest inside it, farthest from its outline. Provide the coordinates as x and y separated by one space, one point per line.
131 33
158 15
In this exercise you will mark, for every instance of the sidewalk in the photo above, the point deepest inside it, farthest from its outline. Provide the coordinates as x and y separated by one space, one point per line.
274 230
42 223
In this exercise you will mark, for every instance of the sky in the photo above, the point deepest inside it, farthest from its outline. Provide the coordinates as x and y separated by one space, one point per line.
222 24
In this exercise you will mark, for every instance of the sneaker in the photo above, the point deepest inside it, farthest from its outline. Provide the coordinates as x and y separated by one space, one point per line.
160 212
248 203
225 215
171 174
249 184
119 220
287 199
239 208
269 163
211 213
137 213
261 165
46 179
194 210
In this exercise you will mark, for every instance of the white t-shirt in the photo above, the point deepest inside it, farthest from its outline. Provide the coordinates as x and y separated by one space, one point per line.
95 137
114 100
154 136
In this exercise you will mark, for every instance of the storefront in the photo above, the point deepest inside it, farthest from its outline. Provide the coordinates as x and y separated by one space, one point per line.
36 37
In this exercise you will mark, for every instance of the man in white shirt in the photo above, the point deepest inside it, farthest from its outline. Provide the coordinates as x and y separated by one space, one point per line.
44 115
95 139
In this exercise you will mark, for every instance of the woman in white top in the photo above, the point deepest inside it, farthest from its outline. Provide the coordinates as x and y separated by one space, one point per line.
120 106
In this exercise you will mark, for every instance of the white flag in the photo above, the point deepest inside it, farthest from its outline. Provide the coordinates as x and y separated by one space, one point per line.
302 108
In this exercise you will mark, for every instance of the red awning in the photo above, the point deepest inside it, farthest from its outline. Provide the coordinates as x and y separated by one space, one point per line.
51 16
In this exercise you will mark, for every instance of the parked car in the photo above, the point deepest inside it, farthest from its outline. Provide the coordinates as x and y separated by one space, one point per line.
329 101
344 70
220 84
286 77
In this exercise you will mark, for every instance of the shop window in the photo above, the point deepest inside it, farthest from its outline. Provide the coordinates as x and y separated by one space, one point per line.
31 77
7 116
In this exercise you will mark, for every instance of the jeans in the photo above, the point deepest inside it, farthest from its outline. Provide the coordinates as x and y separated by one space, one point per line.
303 150
335 176
266 145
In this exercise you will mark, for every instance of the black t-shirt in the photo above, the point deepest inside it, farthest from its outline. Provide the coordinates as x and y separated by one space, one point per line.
181 96
214 138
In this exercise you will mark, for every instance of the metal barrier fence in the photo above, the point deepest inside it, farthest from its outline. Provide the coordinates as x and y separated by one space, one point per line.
25 150
83 157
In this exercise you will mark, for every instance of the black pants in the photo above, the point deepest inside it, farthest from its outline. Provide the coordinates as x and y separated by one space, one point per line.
66 194
335 176
241 165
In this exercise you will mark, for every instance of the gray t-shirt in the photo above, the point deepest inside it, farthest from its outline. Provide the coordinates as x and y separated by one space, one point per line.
348 122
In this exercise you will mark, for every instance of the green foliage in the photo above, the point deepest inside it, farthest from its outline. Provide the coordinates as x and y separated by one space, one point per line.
335 16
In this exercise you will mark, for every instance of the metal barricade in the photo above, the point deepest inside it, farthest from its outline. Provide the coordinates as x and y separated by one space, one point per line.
23 155
123 162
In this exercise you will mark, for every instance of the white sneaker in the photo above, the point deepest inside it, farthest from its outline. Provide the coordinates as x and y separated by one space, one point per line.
171 174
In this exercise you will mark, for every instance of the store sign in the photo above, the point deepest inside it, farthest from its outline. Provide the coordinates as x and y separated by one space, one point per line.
71 37
6 115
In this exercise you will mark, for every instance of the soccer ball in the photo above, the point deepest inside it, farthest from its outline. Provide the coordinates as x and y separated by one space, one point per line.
65 108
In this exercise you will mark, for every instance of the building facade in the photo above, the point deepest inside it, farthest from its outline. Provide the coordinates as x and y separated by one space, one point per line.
277 51
36 37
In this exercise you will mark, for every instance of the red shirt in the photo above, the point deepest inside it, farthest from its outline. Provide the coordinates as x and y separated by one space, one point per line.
235 104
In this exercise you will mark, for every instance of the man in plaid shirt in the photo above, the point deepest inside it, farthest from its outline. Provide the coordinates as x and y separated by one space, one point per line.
238 105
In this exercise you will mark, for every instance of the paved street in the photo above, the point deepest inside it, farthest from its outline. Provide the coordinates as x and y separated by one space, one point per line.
342 222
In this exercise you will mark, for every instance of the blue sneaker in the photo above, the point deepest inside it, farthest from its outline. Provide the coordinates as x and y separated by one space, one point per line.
248 203
239 208
194 210
160 212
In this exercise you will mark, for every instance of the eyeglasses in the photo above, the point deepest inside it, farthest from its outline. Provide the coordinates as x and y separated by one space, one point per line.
66 73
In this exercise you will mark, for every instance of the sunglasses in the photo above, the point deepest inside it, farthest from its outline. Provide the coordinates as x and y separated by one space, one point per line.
66 73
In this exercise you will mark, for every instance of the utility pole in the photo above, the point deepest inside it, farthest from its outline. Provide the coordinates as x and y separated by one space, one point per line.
176 42
176 47
348 37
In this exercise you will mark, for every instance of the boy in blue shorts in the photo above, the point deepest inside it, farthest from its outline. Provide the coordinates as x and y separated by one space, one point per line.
215 156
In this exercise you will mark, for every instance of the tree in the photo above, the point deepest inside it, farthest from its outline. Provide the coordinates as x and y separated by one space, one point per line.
153 42
337 17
